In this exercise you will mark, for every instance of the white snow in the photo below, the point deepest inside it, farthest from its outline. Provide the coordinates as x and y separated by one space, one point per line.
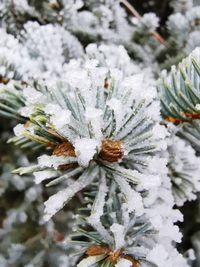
117 107
94 116
59 117
85 149
33 96
19 129
119 235
43 175
123 263
158 255
90 261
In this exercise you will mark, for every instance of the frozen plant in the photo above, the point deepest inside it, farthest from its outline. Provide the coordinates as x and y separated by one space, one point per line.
101 128
183 170
77 82
179 93
50 46
90 131
181 6
125 238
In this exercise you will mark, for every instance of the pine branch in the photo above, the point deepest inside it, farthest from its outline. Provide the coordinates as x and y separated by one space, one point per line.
180 97
109 209
135 13
85 140
183 166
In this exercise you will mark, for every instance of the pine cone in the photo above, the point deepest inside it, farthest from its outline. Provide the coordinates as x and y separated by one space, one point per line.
111 150
65 149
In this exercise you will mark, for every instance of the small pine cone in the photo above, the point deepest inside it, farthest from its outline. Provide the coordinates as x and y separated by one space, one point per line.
65 149
4 80
95 250
111 150
114 256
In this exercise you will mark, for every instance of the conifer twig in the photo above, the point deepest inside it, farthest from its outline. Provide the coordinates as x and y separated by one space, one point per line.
135 13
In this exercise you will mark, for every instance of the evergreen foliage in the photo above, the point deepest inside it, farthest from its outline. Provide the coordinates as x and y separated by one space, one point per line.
99 145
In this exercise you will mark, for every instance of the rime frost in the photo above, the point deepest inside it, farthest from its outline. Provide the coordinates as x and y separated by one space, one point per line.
89 261
67 77
85 150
